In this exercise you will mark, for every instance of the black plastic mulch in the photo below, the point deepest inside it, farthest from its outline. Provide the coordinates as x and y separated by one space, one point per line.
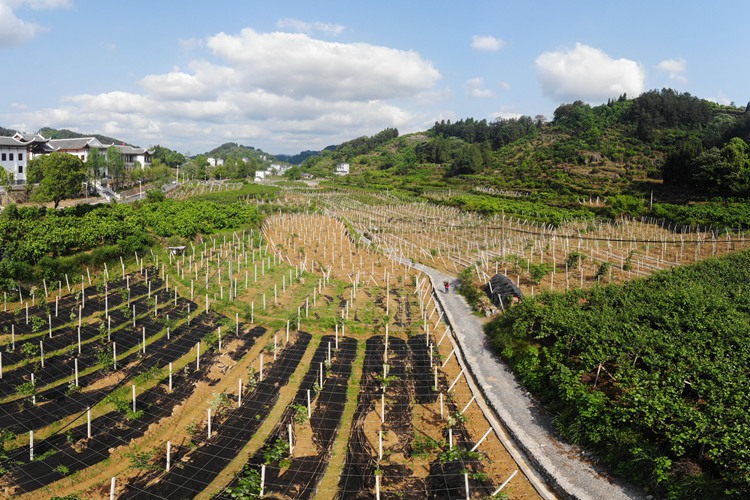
190 477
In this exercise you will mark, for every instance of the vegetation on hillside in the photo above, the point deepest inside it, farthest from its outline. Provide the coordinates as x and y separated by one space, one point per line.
625 146
53 133
652 373
38 244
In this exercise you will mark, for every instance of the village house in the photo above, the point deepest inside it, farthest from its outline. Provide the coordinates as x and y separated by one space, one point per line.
16 151
342 169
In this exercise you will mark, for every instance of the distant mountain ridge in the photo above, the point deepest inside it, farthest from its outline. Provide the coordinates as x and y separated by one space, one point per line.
52 133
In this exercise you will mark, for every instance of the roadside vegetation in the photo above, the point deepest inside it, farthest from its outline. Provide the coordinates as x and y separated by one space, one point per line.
651 374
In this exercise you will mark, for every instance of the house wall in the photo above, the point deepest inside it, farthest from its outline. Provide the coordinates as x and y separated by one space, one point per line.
15 165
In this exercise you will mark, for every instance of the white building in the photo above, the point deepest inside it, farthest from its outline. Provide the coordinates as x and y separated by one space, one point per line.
16 151
342 169
14 155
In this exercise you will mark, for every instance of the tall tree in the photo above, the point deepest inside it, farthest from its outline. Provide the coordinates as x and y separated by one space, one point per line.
95 163
60 176
6 179
115 164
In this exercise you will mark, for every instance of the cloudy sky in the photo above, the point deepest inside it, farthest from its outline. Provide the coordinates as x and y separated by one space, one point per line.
286 76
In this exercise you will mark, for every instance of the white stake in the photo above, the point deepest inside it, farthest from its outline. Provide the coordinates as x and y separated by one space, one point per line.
505 483
133 398
239 393
209 423
31 446
198 356
169 454
112 489
88 422
170 376
468 404
291 438
457 379
262 479
309 407
474 448
448 358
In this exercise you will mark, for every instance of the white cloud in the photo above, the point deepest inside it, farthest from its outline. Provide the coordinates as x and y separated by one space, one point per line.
676 69
475 88
506 115
47 4
14 30
298 65
299 26
278 91
721 98
487 43
587 73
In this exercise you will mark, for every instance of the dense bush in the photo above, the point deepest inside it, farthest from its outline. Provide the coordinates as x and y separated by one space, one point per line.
652 374
37 243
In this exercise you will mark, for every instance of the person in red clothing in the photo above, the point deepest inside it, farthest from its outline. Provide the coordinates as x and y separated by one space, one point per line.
447 285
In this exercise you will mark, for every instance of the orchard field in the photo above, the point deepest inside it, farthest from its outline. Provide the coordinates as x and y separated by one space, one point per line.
298 360
289 358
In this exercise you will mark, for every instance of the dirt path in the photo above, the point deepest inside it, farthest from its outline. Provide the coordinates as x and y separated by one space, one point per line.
529 426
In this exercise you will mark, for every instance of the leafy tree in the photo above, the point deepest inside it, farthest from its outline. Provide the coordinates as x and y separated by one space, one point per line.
467 159
60 176
294 173
96 163
115 164
576 117
167 156
724 170
6 179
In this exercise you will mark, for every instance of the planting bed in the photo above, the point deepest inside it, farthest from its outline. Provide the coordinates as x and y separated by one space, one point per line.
195 470
299 477
74 451
309 274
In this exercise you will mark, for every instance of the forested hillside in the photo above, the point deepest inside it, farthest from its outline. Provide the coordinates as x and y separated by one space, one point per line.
673 143
52 133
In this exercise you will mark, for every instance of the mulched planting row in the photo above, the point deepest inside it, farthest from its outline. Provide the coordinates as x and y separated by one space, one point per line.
446 480
93 341
55 403
110 430
301 477
190 476
64 330
357 480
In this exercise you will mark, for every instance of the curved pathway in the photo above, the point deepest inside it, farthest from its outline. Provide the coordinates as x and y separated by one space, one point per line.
530 427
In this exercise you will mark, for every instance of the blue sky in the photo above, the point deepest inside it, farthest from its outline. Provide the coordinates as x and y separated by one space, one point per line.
286 76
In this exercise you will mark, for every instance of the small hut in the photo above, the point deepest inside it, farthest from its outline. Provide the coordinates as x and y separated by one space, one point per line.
502 291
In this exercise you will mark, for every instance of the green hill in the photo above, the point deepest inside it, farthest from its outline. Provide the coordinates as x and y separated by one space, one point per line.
674 144
52 133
